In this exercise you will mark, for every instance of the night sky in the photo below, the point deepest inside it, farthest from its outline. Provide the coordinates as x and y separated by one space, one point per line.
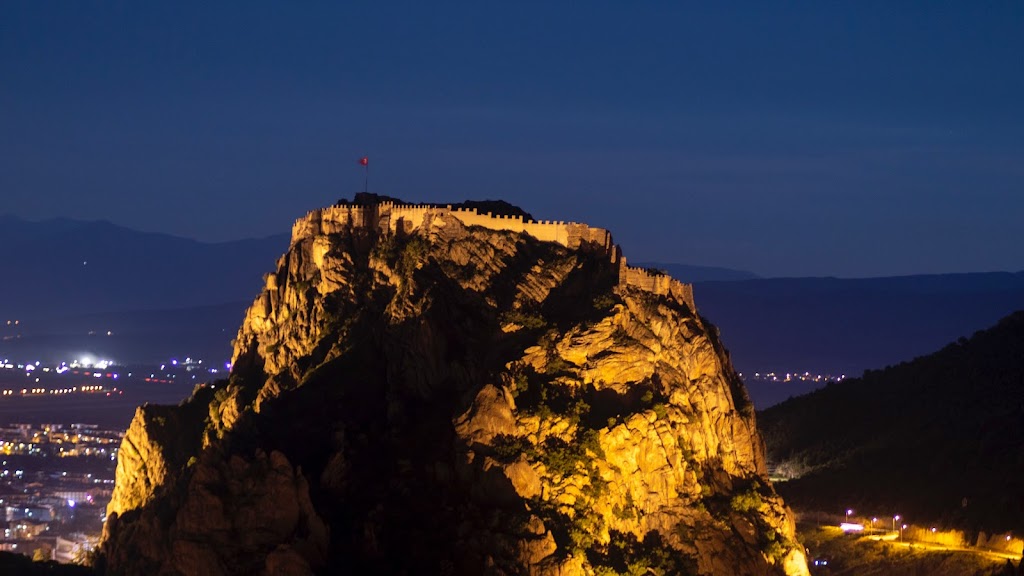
817 138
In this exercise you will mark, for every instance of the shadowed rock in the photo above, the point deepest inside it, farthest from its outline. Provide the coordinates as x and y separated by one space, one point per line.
441 397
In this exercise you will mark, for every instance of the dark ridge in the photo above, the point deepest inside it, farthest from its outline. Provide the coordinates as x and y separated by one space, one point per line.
935 439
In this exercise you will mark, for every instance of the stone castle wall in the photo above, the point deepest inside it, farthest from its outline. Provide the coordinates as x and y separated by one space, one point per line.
657 283
390 218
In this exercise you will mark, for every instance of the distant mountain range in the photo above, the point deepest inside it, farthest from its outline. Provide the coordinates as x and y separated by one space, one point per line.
66 278
935 439
58 267
68 282
849 325
841 325
134 336
690 273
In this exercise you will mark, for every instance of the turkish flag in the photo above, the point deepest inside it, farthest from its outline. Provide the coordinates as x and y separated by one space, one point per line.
364 161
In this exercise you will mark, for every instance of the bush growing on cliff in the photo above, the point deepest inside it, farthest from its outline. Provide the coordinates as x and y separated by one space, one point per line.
507 448
560 457
386 248
520 384
605 301
546 397
524 319
771 545
556 365
590 440
746 501
405 257
219 397
414 251
624 554
624 512
660 411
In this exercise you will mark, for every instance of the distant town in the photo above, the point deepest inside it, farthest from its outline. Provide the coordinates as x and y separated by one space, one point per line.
69 377
55 482
57 478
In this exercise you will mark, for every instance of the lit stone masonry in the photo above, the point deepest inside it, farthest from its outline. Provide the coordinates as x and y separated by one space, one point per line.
391 218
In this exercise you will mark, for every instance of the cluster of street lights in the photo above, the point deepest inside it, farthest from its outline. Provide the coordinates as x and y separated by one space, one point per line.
896 525
903 527
896 518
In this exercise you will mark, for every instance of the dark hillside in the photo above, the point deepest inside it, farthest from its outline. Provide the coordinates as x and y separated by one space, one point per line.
917 438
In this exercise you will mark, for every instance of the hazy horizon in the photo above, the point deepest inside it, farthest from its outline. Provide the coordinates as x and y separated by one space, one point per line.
760 274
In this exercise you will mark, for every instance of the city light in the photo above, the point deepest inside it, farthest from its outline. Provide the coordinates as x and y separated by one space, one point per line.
805 376
41 502
55 494
43 376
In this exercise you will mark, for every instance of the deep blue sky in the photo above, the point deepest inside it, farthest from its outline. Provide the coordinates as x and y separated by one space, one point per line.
818 138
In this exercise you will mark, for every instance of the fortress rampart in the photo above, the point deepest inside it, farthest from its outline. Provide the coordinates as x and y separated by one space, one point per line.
391 218
656 283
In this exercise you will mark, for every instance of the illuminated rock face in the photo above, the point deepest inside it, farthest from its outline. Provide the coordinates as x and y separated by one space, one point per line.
439 397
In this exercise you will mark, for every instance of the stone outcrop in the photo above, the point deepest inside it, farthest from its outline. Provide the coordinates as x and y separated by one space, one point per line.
425 390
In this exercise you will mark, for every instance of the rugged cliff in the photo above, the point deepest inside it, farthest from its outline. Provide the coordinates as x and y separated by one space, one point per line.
412 394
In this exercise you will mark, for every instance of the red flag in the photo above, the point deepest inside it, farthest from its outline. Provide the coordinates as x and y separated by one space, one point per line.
364 161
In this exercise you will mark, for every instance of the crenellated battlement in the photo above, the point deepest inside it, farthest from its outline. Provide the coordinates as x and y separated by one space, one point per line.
390 218
662 284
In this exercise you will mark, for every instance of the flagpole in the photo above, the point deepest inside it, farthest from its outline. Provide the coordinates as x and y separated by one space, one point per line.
366 176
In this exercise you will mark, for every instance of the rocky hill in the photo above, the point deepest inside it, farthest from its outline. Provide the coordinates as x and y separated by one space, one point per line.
430 390
936 439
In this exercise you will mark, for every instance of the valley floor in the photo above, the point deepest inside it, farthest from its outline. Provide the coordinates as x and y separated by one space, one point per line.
835 553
